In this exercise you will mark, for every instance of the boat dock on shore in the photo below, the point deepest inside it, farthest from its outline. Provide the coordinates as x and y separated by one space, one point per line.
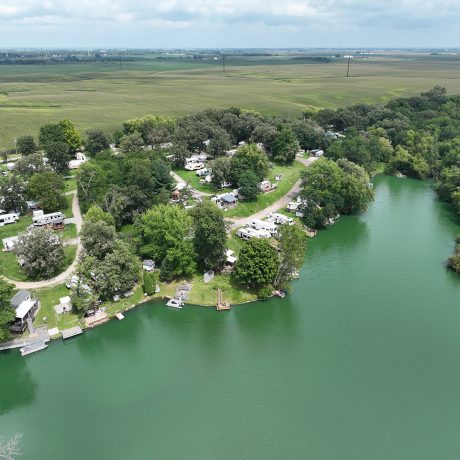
71 332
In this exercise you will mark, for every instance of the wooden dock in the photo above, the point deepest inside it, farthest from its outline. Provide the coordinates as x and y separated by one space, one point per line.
71 332
32 348
221 305
119 315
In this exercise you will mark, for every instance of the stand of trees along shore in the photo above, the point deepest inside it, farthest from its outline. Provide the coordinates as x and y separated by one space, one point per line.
417 137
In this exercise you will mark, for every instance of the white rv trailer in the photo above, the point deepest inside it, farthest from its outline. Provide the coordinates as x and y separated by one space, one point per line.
45 219
280 219
247 233
264 225
8 218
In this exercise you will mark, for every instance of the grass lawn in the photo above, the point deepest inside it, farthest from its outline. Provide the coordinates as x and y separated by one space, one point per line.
191 178
46 315
70 232
290 175
68 210
234 243
206 294
14 229
70 182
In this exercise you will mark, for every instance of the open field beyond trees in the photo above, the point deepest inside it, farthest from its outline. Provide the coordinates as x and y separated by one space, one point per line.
103 95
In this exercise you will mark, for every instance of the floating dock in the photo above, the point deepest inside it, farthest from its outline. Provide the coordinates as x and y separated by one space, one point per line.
71 332
221 305
120 316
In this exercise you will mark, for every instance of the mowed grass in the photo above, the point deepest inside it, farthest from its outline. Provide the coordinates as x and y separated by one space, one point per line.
194 181
103 96
290 175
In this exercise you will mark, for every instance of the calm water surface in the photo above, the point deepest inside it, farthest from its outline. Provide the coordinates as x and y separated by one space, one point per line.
361 361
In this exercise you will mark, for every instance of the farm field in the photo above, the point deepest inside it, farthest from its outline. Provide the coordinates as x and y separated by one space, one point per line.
103 95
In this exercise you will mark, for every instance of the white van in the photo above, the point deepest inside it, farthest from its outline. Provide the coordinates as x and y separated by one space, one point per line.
8 218
45 219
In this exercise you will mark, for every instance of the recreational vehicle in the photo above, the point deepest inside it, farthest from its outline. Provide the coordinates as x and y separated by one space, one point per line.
8 218
280 219
40 219
263 225
247 233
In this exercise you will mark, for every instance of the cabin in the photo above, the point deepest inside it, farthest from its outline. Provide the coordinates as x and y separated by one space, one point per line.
269 227
6 219
39 218
148 265
9 243
24 306
228 201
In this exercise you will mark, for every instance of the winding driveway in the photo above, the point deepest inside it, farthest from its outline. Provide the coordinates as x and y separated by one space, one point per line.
61 278
281 203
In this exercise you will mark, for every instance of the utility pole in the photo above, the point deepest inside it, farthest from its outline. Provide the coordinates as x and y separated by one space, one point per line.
348 67
223 62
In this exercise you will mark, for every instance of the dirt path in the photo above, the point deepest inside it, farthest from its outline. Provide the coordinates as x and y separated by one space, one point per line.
281 203
59 279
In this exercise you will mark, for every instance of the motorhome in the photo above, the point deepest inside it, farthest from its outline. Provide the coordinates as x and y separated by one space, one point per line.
40 219
203 172
280 219
8 218
263 225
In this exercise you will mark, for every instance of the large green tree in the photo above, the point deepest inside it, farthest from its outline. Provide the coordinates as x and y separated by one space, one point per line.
6 311
58 155
249 158
249 185
96 141
26 145
12 194
257 264
210 236
285 147
98 238
47 189
41 252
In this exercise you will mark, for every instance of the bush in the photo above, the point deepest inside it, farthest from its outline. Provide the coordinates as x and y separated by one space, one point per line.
150 283
265 292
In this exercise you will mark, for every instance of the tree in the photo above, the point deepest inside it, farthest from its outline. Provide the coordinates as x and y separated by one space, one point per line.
162 228
292 246
12 194
47 189
58 156
41 252
92 184
285 147
50 134
154 129
257 265
71 135
220 171
118 272
179 260
249 185
150 283
125 203
264 133
161 174
249 158
210 236
26 145
408 164
31 164
219 143
96 214
131 142
98 238
96 141
7 314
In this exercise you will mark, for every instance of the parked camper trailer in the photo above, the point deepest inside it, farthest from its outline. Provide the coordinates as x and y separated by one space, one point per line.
247 233
263 225
8 218
45 219
280 219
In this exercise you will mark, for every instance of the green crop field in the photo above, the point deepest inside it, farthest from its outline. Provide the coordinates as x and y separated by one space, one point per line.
103 95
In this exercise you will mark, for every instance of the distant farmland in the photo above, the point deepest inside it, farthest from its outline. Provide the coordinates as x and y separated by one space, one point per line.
103 95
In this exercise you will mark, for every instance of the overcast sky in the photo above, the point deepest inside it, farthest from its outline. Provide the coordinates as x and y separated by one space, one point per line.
229 23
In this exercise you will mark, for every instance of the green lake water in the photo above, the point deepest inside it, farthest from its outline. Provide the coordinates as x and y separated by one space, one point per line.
360 361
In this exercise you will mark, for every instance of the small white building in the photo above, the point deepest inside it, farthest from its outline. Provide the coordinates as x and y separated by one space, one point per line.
39 219
148 265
